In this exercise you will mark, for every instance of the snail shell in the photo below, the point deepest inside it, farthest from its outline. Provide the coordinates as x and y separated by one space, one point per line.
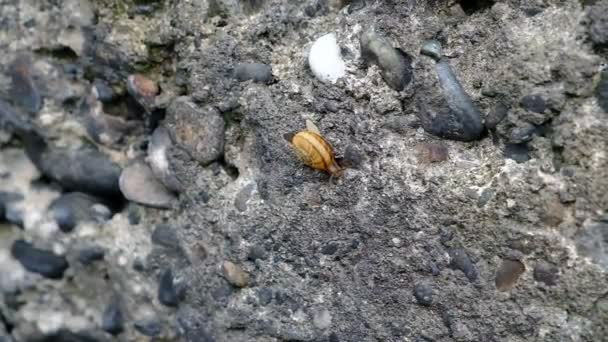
315 151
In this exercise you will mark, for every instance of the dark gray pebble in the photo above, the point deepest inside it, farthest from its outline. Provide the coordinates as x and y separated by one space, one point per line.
423 294
433 49
72 208
498 114
169 293
104 91
355 6
460 120
64 335
165 235
23 90
265 296
148 327
240 202
257 72
112 319
518 152
534 103
330 248
256 252
522 134
508 274
601 92
5 199
395 65
133 214
546 273
37 260
333 337
88 171
88 255
460 260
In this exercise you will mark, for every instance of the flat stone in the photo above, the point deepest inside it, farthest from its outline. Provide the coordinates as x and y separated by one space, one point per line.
138 184
37 260
235 274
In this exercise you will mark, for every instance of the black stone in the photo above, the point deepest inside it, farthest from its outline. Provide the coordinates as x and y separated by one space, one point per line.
460 260
258 72
148 327
256 252
518 152
23 90
534 103
64 335
601 92
88 171
88 255
459 118
112 320
546 273
40 261
423 294
5 199
104 91
498 114
169 293
164 235
72 208
265 296
522 134
333 337
330 248
133 214
395 65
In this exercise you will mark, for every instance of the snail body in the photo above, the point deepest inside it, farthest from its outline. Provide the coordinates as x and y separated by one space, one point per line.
315 151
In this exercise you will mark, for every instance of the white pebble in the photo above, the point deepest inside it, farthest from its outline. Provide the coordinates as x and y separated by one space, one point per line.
325 59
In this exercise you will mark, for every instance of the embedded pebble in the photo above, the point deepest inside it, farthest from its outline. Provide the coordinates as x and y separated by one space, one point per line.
461 261
138 184
235 274
325 59
508 274
143 90
88 171
112 319
103 128
240 202
518 152
37 260
169 293
546 273
395 65
160 143
199 130
264 296
460 120
23 90
601 92
89 255
72 208
498 114
534 103
598 24
355 6
256 252
148 327
164 235
257 72
433 49
105 93
423 294
522 134
6 198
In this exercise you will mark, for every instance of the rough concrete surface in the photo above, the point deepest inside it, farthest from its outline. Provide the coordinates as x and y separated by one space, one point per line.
421 239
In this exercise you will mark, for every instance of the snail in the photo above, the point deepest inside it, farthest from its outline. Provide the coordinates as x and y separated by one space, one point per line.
314 150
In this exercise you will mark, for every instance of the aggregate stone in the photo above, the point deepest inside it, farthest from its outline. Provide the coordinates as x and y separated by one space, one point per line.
37 260
423 294
73 208
112 320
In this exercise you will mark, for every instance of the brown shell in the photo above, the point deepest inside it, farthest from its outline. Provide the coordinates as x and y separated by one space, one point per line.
315 152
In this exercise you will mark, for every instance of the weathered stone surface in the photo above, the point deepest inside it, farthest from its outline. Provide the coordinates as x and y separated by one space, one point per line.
199 130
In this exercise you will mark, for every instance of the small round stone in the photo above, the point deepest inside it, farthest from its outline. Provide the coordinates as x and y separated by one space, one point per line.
37 260
235 274
433 49
423 294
